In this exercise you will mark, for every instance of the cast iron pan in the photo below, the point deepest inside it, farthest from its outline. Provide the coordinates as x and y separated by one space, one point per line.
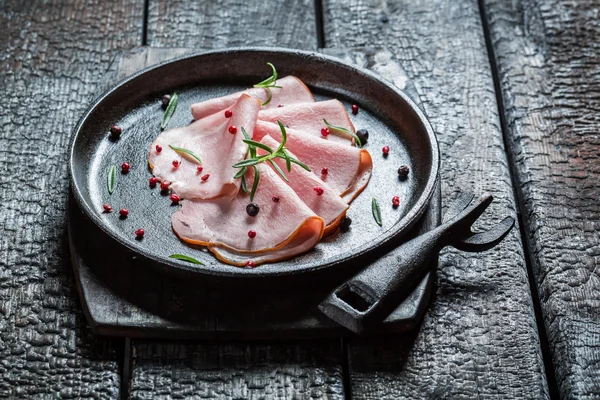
390 116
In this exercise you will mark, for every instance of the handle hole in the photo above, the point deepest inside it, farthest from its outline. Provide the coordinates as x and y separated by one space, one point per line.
353 299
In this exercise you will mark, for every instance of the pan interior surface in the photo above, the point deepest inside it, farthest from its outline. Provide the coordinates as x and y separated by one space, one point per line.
391 119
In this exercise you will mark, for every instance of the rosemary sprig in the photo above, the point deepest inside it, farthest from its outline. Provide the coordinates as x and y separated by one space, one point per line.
112 179
183 152
254 160
341 129
169 111
183 257
376 211
270 82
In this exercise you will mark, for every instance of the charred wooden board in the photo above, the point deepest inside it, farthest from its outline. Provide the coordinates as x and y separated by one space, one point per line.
52 57
548 60
479 338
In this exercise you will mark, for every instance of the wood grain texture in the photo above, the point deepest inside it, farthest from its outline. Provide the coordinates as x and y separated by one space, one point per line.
303 370
53 54
479 337
308 370
230 23
548 58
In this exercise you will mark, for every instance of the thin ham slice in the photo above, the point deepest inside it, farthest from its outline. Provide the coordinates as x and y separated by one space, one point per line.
309 117
292 91
329 205
223 224
304 240
210 139
349 168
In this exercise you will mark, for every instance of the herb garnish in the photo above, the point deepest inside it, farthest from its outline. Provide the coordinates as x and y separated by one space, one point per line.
112 179
186 151
183 257
169 111
347 131
376 211
254 159
270 82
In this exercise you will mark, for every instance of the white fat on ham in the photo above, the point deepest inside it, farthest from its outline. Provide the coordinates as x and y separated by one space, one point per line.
328 205
209 139
292 91
223 224
348 168
309 117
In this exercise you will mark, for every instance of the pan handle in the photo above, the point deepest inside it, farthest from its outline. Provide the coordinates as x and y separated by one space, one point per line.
374 292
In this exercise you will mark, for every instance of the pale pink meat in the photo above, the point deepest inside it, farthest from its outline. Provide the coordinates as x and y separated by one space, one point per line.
223 222
210 139
292 91
301 243
349 168
329 205
309 117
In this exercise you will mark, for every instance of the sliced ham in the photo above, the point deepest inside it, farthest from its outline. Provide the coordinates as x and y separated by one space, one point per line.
349 168
223 223
329 205
292 91
309 117
304 240
210 139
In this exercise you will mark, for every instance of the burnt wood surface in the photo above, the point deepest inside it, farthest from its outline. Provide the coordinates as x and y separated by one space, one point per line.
53 54
548 62
480 334
479 338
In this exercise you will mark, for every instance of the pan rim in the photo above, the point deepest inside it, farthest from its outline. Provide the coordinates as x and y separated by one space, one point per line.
228 271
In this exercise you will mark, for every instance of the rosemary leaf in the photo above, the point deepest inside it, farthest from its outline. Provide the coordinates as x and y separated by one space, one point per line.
240 173
300 163
243 184
247 163
376 211
183 257
278 170
112 179
186 151
246 136
255 183
346 131
288 161
283 136
270 82
268 100
169 111
258 144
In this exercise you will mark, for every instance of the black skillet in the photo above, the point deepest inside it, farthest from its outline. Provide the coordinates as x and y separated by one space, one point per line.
390 116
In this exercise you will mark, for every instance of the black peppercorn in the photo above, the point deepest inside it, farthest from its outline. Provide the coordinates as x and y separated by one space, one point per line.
363 135
115 132
345 225
403 171
252 209
165 100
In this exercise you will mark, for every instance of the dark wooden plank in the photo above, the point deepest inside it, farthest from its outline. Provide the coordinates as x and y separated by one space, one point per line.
306 370
548 58
298 370
479 337
214 24
53 55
